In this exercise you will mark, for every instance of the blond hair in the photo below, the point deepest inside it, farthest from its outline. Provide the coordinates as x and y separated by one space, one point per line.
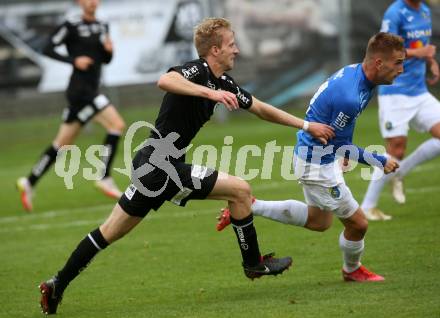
384 43
207 34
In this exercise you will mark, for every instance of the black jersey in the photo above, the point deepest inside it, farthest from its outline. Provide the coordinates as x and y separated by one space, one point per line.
81 38
187 114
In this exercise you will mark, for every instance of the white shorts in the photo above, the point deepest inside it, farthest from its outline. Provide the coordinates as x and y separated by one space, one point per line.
324 187
398 112
337 199
326 175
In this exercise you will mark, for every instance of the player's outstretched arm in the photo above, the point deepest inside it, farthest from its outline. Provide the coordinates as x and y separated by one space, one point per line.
175 83
270 113
387 164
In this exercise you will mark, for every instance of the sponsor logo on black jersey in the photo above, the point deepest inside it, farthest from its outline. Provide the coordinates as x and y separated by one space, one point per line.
190 72
242 97
211 85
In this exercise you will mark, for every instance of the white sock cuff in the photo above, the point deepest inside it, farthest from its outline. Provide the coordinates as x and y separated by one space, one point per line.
352 245
256 206
303 212
288 211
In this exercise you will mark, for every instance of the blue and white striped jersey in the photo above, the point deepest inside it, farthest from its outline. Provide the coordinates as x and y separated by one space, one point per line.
415 27
338 103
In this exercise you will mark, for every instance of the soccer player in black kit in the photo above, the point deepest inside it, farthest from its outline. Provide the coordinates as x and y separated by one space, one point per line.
192 92
89 46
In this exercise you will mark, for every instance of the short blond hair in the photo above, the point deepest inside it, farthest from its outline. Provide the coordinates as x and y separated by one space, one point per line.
384 43
207 34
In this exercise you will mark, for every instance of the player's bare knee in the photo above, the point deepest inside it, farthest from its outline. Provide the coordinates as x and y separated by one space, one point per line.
399 153
435 131
242 191
320 225
360 227
396 147
318 221
396 150
316 228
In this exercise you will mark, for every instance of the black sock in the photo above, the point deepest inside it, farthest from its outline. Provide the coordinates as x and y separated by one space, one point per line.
111 142
81 257
46 160
247 240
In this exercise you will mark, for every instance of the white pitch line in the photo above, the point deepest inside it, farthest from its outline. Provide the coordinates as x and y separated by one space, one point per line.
53 213
43 227
153 215
422 190
56 213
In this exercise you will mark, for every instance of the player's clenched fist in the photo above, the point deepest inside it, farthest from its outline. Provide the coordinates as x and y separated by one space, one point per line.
390 166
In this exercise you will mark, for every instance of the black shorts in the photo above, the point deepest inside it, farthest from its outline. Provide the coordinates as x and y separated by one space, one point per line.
154 188
83 109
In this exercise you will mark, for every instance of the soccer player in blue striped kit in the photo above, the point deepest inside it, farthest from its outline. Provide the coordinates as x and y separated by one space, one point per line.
338 103
407 103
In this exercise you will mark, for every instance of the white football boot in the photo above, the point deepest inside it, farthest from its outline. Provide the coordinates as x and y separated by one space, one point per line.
375 214
398 191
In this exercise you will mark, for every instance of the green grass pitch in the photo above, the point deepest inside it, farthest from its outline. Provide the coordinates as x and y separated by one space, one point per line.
174 264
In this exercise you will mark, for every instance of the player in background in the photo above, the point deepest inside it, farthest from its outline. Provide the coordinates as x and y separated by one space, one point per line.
338 103
407 103
88 46
192 93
